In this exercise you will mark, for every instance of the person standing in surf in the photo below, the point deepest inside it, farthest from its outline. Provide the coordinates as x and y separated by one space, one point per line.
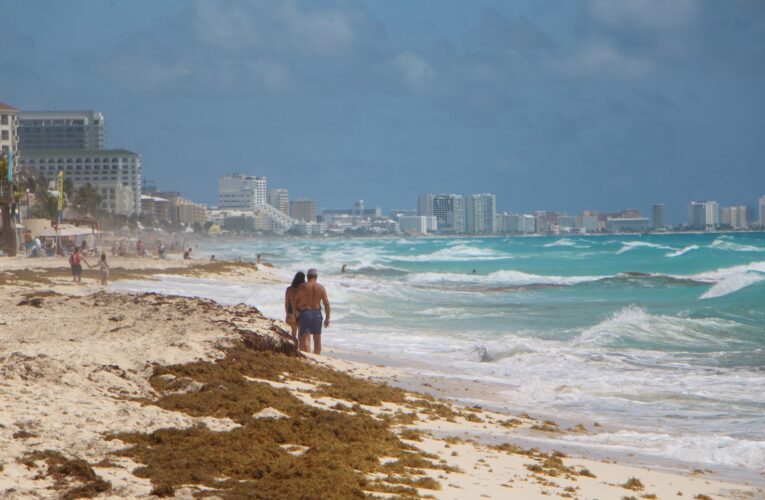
310 297
75 263
290 308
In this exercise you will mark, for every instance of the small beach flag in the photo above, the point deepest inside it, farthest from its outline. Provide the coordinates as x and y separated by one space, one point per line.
60 187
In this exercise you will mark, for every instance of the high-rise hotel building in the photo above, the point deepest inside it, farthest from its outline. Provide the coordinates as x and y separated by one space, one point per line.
448 209
114 173
704 215
62 130
279 199
481 214
242 192
659 217
733 217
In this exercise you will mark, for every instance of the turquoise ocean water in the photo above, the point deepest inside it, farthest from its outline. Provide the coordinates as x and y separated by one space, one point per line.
660 336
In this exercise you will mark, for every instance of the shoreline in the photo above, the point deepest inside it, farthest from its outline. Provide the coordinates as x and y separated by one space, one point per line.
50 278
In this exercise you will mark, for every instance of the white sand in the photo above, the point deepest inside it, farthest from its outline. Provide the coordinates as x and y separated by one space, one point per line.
69 370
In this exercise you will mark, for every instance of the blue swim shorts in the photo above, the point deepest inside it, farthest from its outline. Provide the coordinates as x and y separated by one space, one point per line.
309 322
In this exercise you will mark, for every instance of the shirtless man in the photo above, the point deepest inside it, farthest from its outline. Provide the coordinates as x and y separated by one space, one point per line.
309 298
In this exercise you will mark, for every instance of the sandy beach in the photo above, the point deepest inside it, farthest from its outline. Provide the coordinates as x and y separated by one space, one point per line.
116 395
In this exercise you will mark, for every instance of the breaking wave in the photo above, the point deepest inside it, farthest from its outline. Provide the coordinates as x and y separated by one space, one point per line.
499 278
633 325
722 243
632 245
456 253
728 280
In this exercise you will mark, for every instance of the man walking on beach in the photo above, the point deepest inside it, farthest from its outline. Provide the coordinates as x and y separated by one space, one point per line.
309 298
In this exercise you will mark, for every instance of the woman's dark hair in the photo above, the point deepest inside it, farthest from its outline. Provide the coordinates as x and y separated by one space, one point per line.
298 280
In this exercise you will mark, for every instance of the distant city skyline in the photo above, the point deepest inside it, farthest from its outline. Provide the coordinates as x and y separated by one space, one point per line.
551 106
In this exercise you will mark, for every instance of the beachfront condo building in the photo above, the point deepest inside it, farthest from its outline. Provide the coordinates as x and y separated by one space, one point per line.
279 199
9 137
242 192
762 211
448 209
628 224
659 217
588 222
703 215
417 224
303 210
567 221
481 214
114 173
62 130
734 217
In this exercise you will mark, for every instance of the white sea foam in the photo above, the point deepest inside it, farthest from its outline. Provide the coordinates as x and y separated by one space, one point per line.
728 280
683 251
723 243
634 324
499 278
732 284
710 449
632 245
565 242
456 253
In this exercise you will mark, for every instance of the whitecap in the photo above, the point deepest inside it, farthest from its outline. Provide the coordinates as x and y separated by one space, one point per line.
565 242
500 278
683 251
728 280
456 253
632 245
723 244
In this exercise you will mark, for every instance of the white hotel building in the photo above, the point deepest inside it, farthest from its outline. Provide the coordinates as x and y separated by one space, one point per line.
241 192
419 224
114 173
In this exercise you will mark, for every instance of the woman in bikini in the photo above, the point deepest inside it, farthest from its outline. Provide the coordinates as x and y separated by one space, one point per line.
289 303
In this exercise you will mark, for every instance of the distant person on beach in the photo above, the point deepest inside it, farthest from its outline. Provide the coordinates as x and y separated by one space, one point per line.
289 303
139 248
161 249
344 268
75 263
310 296
212 258
187 254
103 268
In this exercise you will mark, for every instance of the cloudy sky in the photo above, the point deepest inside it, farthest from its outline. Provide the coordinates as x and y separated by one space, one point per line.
550 105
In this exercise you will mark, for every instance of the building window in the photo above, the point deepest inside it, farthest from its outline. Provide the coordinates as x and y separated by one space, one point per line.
3 119
6 135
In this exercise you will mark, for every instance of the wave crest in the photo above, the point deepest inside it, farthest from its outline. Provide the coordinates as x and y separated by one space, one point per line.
633 324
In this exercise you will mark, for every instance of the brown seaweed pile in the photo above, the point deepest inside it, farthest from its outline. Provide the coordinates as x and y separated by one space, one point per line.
341 450
73 477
